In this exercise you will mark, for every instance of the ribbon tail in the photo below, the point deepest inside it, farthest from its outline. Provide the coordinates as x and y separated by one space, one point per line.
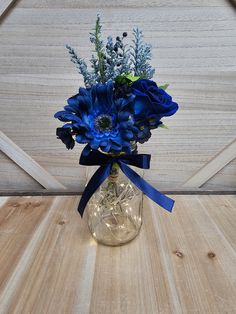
159 198
98 177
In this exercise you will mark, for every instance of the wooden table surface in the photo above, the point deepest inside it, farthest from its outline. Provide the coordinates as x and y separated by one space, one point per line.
184 262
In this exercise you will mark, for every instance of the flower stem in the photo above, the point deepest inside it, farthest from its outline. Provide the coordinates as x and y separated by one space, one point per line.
114 172
98 48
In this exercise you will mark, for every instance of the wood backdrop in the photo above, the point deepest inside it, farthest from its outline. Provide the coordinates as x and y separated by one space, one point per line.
193 50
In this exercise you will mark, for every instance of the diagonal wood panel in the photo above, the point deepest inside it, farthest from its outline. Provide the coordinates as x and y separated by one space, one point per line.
28 164
11 172
224 179
5 6
212 167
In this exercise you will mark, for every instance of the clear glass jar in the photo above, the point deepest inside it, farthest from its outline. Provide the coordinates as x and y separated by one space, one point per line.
115 209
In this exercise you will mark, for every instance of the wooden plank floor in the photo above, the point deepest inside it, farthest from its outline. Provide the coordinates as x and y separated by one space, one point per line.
183 262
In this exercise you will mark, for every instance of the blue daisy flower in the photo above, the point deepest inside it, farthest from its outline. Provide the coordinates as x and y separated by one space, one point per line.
96 117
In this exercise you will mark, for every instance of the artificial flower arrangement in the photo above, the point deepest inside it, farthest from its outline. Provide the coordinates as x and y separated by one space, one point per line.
117 109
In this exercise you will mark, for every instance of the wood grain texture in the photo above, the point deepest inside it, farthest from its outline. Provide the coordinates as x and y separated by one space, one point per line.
218 181
115 4
194 50
12 176
5 6
19 218
182 262
27 163
212 167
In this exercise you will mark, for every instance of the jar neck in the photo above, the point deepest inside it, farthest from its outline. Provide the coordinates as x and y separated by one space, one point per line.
134 150
114 173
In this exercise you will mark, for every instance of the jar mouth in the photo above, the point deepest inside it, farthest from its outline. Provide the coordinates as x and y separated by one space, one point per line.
134 150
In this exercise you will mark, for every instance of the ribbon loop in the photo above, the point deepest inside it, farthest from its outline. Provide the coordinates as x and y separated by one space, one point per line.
95 158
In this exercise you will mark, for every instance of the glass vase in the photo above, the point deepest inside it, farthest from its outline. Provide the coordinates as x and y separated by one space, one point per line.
115 209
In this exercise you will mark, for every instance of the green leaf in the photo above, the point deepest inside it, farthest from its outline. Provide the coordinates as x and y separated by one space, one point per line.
163 126
126 79
164 87
121 79
132 78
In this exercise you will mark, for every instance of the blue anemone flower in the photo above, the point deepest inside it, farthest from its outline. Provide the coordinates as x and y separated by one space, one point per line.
95 117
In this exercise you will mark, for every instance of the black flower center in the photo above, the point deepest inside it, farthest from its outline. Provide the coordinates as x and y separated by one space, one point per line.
103 122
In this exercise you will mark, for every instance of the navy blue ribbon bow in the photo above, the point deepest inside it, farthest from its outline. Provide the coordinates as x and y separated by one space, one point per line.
94 158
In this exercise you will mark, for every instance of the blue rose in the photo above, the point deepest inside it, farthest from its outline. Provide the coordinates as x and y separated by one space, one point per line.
150 105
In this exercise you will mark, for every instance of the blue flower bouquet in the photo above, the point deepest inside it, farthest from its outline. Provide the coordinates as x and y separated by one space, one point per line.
117 109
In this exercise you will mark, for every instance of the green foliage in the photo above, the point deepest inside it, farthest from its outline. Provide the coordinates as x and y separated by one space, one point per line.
164 87
95 38
126 79
163 126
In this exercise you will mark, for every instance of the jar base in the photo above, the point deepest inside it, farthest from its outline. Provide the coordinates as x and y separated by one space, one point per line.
115 230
